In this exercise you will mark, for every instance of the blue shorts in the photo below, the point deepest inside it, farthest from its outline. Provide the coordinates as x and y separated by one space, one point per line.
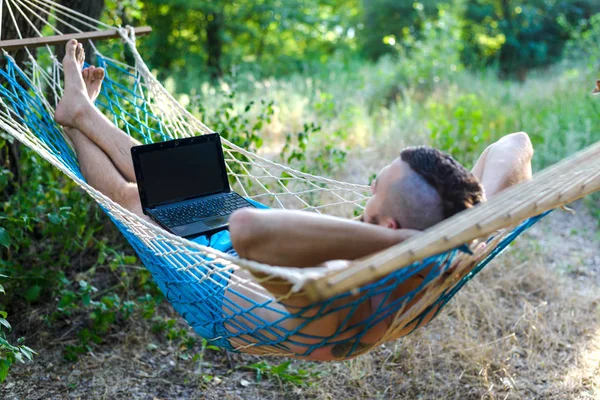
211 309
220 240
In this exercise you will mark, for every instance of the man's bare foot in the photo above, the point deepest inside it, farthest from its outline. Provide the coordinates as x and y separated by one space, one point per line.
93 77
75 98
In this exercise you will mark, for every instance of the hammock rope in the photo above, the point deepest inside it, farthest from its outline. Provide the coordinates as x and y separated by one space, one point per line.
209 288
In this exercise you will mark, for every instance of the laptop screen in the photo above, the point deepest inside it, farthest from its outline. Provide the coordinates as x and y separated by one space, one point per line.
182 172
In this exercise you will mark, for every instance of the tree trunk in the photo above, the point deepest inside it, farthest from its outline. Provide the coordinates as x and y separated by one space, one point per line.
510 49
24 27
10 152
125 20
91 8
214 44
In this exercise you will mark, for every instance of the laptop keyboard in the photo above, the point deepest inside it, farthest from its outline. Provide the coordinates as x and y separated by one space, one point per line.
187 213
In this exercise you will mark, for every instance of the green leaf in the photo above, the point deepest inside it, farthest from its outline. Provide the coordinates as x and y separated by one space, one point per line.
129 260
4 342
66 300
86 299
4 238
5 323
4 366
101 257
27 352
33 293
3 314
281 367
54 218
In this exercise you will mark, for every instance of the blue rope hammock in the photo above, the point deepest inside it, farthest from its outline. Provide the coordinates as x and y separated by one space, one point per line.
224 315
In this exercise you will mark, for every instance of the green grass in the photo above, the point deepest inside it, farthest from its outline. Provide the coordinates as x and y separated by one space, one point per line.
367 106
283 373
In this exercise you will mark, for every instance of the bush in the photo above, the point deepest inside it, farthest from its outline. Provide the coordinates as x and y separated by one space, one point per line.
585 44
49 230
48 226
9 354
521 36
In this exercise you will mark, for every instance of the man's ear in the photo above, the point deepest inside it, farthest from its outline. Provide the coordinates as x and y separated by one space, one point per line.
391 223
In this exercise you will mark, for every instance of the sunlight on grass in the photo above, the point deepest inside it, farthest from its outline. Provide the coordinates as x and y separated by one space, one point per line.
365 108
587 370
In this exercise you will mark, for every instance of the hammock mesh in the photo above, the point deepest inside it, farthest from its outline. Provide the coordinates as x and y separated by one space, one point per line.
226 306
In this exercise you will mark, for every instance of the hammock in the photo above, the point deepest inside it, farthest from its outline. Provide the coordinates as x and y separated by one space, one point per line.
224 307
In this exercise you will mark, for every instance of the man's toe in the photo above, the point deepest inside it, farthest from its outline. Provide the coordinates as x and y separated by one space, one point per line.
99 73
80 53
70 47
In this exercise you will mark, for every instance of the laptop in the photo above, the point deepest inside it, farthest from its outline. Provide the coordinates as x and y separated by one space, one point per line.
183 185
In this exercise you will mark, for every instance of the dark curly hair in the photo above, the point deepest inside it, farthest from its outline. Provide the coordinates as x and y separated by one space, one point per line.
457 187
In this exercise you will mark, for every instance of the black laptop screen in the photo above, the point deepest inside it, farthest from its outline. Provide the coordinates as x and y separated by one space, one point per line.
182 172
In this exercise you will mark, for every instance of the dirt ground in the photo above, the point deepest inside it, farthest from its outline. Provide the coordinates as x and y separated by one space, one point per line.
527 328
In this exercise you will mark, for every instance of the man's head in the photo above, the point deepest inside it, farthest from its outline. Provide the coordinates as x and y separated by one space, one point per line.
421 188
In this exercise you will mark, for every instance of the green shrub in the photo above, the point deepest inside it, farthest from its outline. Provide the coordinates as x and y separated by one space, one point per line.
9 354
585 44
283 373
48 225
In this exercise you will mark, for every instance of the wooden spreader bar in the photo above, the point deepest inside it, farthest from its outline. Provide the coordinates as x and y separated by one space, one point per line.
62 39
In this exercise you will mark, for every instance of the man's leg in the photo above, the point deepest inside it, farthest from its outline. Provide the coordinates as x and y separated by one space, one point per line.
102 175
77 110
96 166
505 163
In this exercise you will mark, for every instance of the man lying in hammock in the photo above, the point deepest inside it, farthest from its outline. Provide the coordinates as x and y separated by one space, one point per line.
416 191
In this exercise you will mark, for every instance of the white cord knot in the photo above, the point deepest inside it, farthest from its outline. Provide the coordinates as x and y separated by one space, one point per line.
122 32
131 30
127 33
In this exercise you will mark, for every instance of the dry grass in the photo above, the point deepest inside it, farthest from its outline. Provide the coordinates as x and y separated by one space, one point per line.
527 328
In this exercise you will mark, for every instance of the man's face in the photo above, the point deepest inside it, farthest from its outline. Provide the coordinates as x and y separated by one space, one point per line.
389 174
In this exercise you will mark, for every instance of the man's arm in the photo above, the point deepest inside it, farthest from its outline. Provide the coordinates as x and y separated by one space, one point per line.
302 239
505 163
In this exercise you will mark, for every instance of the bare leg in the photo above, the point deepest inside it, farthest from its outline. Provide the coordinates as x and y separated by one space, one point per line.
102 175
505 163
76 110
96 166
